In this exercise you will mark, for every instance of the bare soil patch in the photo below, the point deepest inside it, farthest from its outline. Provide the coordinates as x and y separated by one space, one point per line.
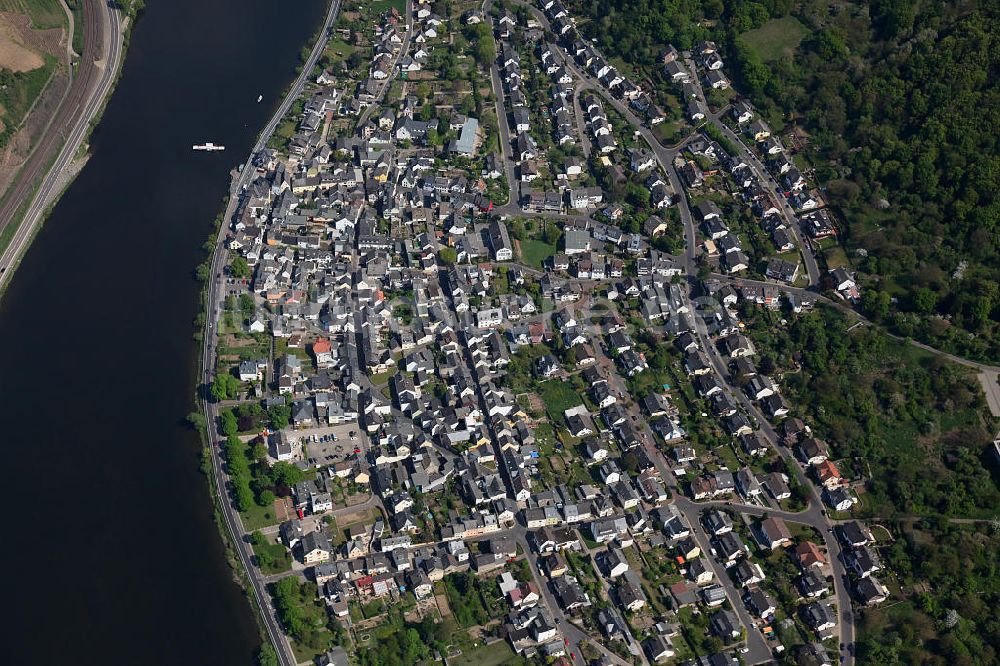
23 49
535 402
283 509
354 518
442 604
14 55
18 27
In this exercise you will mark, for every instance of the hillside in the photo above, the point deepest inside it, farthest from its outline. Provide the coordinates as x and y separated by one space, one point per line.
897 107
894 110
901 108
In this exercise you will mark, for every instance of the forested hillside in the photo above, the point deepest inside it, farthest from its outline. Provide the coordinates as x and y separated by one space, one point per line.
916 428
914 425
895 106
899 109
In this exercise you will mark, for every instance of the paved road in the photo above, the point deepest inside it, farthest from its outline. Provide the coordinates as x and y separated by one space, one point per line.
814 515
764 177
573 634
613 610
759 652
70 53
581 132
988 374
97 69
503 123
791 221
665 156
404 47
215 293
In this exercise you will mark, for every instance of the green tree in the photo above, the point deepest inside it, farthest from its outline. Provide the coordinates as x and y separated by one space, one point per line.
247 305
224 387
266 656
448 255
924 300
258 452
265 498
551 233
196 420
279 416
242 496
875 303
571 356
228 423
239 268
285 474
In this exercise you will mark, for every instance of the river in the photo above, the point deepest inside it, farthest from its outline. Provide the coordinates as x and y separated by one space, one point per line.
111 554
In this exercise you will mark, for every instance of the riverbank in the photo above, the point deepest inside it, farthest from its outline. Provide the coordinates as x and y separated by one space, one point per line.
125 237
227 519
58 172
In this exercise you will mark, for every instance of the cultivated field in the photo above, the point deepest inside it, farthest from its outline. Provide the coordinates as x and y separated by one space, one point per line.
14 55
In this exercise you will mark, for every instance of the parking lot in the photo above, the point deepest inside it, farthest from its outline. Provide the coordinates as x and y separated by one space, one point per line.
328 445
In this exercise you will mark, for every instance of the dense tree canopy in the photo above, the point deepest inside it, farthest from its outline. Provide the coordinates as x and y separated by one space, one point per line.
915 428
901 113
955 621
917 422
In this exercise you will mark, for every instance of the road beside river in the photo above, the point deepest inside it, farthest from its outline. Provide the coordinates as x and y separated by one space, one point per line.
100 361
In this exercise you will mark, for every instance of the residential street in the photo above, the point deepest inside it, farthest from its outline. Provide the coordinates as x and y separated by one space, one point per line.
214 291
812 269
454 391
814 515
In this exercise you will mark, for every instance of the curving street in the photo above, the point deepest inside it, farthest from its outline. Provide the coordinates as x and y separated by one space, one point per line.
814 515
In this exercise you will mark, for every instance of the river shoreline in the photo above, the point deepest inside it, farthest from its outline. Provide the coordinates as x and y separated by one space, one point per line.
58 176
99 311
228 521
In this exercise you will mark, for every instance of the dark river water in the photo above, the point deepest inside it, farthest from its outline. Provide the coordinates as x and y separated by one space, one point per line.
110 554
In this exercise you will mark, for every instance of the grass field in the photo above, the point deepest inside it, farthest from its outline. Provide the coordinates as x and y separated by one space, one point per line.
776 39
277 557
558 396
382 5
486 655
836 257
7 235
257 517
24 88
44 13
924 420
76 6
318 638
337 49
671 131
395 91
535 252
